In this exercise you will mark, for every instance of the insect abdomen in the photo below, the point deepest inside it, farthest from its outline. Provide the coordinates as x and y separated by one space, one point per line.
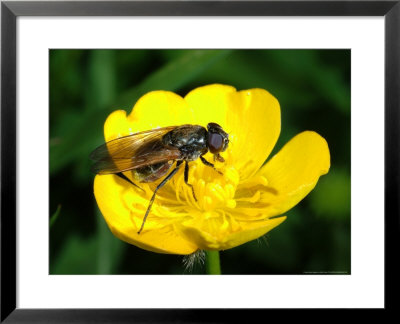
151 173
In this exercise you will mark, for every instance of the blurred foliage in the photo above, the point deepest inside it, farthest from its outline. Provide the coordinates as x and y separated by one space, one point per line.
313 88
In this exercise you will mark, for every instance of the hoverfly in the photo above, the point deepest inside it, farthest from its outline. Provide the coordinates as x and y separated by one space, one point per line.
151 154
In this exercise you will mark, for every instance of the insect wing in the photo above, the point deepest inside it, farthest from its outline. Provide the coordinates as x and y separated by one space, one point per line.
133 151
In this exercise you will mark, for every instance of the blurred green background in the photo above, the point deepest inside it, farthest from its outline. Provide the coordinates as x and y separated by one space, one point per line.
313 88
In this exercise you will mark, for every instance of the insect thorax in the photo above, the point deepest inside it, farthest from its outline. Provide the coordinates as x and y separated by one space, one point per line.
191 140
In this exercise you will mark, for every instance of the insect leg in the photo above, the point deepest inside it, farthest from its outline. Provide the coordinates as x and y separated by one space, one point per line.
162 183
123 176
187 179
209 164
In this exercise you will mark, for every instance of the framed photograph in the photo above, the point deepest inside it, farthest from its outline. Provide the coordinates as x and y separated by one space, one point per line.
174 155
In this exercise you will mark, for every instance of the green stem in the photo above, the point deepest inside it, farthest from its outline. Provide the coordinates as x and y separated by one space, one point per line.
212 262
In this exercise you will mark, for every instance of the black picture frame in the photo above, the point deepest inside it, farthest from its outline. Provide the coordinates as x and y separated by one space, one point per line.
10 10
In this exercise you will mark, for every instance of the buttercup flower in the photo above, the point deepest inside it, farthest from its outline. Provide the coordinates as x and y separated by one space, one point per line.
242 203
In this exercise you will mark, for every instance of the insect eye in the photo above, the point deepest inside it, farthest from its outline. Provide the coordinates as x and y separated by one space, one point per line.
215 142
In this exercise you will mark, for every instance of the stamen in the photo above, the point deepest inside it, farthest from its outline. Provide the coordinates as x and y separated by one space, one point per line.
212 190
215 192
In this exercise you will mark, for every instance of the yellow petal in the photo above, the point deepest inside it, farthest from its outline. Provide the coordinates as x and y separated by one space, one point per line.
245 232
110 192
117 125
255 122
294 171
210 104
251 117
154 109
160 109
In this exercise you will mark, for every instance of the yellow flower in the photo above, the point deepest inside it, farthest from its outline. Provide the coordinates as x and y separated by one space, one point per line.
232 208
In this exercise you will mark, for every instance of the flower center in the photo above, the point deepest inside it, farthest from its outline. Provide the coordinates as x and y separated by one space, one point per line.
212 189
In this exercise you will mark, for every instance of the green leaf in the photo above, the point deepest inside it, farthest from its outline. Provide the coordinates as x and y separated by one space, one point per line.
173 75
298 78
54 217
99 254
251 69
331 197
78 256
102 79
110 248
301 65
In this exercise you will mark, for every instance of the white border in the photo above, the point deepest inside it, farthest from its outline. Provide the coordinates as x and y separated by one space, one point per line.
363 288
